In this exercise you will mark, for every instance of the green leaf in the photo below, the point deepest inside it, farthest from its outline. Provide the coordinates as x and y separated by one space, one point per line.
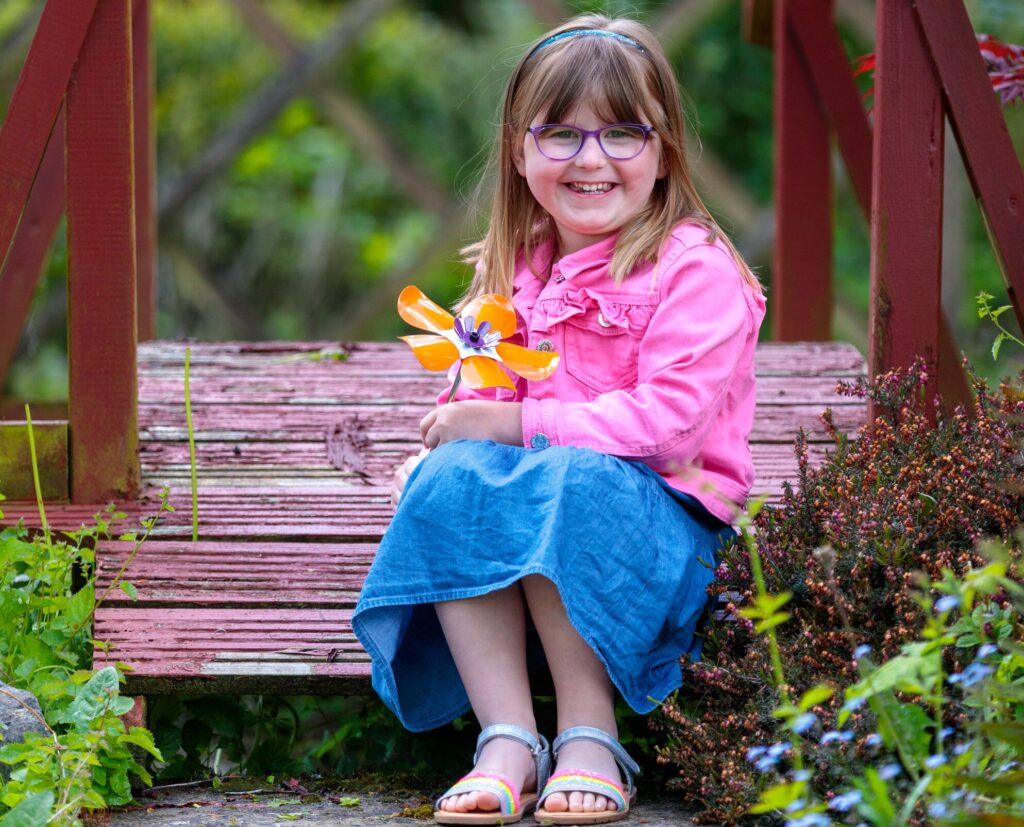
1009 732
815 695
348 802
142 737
129 590
779 797
996 345
31 812
904 723
776 619
93 698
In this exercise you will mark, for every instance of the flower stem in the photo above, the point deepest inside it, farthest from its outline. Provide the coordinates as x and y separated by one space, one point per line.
35 477
191 448
455 385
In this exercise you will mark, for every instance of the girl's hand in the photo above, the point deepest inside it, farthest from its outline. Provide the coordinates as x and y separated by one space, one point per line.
402 475
473 419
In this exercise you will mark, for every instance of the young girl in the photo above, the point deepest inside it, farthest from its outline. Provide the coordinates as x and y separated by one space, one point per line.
586 508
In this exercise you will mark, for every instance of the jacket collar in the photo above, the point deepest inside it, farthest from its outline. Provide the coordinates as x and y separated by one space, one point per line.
598 254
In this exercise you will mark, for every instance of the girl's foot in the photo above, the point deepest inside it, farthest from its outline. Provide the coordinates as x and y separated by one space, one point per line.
503 755
594 758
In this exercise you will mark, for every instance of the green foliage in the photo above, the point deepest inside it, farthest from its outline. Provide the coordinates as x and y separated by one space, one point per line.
987 311
877 549
47 598
84 758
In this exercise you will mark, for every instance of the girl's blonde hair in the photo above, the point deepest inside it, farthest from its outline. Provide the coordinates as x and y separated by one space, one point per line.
623 84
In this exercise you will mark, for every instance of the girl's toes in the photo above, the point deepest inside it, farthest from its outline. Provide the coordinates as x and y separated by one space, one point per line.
576 802
610 805
588 803
556 803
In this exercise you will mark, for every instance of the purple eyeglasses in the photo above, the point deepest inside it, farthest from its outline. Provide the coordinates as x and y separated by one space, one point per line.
619 141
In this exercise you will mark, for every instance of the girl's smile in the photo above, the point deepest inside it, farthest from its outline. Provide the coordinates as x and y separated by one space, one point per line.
589 196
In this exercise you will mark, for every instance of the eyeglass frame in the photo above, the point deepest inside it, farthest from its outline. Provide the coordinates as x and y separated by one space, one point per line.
646 129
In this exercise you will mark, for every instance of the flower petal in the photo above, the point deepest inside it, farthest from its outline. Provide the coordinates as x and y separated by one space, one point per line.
484 372
419 311
493 308
434 352
530 364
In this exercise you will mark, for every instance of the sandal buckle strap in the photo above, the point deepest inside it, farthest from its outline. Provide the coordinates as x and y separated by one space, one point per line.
599 736
538 746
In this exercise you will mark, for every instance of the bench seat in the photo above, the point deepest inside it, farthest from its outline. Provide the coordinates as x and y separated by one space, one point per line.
295 453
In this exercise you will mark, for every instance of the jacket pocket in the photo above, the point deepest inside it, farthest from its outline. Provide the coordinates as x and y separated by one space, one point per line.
602 344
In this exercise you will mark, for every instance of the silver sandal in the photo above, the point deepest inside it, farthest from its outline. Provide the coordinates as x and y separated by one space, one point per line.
514 804
577 780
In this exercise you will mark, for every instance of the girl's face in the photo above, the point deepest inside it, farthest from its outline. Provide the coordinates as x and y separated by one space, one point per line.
590 196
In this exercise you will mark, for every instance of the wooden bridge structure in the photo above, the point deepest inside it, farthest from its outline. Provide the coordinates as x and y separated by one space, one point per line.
297 441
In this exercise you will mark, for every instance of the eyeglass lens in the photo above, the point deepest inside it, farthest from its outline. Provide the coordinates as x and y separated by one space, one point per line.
619 141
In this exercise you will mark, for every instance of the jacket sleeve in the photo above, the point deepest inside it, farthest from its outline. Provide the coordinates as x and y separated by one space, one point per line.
687 360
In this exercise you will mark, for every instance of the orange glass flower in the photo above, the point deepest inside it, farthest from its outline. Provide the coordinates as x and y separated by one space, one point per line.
475 337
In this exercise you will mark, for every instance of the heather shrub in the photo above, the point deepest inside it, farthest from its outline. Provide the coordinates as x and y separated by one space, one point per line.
852 554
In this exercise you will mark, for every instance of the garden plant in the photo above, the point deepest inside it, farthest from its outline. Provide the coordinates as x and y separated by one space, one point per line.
82 756
873 672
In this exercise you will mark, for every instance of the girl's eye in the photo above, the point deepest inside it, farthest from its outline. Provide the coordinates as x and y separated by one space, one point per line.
622 133
559 133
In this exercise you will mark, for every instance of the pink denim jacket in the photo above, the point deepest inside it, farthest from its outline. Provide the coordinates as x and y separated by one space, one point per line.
660 369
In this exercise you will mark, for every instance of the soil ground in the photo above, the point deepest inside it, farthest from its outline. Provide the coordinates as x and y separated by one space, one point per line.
249 805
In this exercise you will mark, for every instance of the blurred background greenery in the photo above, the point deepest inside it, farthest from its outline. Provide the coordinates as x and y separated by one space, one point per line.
364 181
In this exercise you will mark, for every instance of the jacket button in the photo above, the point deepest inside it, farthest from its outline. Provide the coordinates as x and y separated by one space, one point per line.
601 320
545 345
539 441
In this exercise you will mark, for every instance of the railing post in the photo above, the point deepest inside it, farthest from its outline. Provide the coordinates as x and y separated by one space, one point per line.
103 394
145 166
906 197
802 262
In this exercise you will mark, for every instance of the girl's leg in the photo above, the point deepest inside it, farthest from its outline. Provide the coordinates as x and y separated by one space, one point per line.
487 638
584 693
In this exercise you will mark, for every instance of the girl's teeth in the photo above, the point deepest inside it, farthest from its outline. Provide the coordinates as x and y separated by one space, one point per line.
590 188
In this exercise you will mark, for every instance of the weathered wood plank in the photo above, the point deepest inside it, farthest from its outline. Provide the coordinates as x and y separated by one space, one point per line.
102 373
196 651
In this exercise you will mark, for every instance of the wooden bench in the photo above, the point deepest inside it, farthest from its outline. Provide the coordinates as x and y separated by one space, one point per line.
295 453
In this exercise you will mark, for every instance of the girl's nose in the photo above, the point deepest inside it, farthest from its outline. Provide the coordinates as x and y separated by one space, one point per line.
590 156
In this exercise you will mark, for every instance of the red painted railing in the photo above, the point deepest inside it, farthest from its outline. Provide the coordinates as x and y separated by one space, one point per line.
74 101
928 67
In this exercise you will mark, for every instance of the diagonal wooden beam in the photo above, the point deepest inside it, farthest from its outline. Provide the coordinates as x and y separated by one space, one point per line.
268 103
826 64
981 132
675 23
34 106
20 273
350 116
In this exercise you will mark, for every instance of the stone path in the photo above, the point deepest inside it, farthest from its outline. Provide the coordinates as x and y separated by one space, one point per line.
205 807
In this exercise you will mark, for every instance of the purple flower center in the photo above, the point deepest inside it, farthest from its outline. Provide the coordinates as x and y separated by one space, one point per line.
472 336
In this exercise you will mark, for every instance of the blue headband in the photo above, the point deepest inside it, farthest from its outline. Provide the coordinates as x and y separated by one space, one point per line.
588 33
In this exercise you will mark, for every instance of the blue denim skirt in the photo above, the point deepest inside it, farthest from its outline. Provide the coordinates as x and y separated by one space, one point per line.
631 557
